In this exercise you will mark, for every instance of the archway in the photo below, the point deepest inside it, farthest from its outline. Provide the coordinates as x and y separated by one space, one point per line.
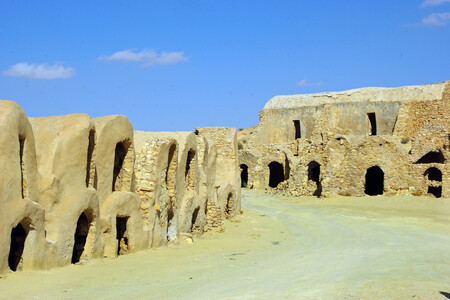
190 170
374 181
171 169
432 157
81 234
119 157
122 236
90 164
276 174
434 174
314 175
244 176
18 237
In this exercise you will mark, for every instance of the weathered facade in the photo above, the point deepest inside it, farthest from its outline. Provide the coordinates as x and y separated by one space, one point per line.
75 188
369 141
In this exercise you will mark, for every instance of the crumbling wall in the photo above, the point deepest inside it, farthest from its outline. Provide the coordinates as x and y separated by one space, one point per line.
227 166
155 169
331 142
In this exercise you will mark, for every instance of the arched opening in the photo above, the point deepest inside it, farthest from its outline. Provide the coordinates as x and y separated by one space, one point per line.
374 181
81 234
194 226
244 176
171 169
432 157
229 205
190 170
119 158
434 174
24 184
122 235
90 165
18 237
314 175
276 174
171 228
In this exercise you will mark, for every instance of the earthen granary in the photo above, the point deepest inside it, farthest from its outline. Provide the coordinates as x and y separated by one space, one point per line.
368 141
75 188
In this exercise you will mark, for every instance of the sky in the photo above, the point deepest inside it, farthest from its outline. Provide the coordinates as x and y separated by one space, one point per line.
177 65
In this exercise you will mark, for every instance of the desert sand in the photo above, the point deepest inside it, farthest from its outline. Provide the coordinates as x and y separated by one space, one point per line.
280 247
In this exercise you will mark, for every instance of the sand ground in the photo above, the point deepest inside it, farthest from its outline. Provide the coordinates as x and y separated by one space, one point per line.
279 248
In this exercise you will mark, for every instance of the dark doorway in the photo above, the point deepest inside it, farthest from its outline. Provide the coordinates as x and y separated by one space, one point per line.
314 175
374 181
244 176
119 157
433 174
81 234
276 174
432 157
18 237
435 191
122 239
298 133
372 123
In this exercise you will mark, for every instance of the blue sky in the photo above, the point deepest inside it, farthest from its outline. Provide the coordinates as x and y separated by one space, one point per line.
177 65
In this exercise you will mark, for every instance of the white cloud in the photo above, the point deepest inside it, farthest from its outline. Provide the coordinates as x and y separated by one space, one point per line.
305 82
147 57
40 71
433 2
437 19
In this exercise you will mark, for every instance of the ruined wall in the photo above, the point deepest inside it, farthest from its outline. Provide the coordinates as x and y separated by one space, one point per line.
76 188
342 139
227 167
277 125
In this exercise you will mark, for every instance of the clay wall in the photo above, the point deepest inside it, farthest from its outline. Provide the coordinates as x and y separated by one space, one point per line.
65 191
21 217
76 188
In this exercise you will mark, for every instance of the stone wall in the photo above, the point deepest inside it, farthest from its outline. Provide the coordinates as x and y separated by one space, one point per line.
227 174
76 188
341 138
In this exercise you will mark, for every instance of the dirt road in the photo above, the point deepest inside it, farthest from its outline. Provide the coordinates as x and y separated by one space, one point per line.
281 247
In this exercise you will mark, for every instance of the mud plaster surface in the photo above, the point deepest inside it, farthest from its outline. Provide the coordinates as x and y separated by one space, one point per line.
283 247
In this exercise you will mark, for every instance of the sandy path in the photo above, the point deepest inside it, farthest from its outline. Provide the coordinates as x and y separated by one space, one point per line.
282 247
